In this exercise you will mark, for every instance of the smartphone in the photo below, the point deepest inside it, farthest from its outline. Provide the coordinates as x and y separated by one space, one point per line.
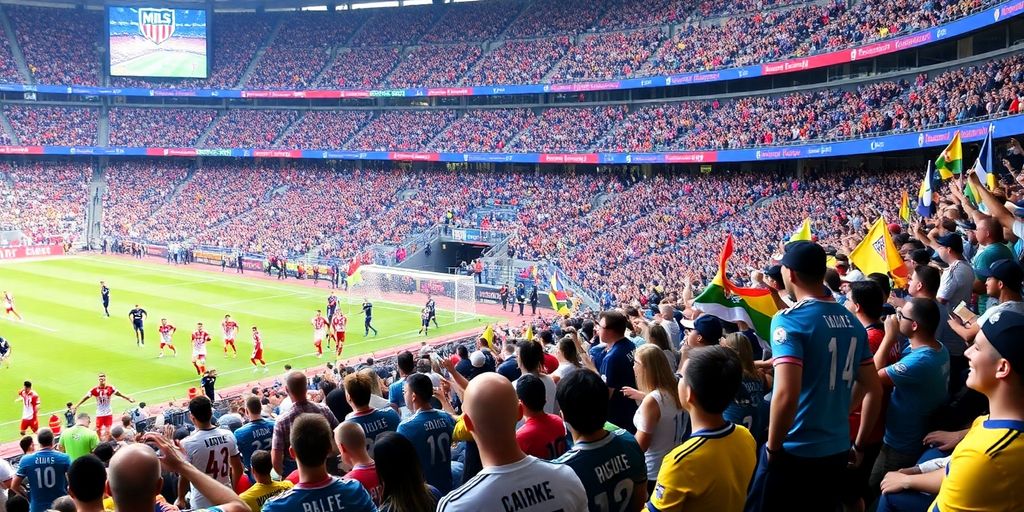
966 315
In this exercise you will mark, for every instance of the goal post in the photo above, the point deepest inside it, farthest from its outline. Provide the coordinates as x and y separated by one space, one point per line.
451 292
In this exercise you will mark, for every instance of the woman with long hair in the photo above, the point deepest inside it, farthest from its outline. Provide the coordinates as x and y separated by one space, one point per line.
749 408
568 358
658 336
403 488
661 423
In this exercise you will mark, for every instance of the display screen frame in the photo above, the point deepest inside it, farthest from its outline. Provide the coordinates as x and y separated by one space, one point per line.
205 69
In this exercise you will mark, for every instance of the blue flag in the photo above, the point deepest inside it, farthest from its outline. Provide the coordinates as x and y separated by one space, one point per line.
925 196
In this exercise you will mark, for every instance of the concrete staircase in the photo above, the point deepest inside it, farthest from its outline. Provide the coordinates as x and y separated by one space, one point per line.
19 56
259 53
8 129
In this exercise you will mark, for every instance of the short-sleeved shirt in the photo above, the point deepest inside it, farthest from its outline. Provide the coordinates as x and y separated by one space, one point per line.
984 470
258 494
710 471
431 433
1015 306
211 451
830 344
621 462
375 422
331 494
45 472
956 283
529 485
617 371
103 396
986 256
366 474
396 395
920 378
78 441
283 428
255 435
542 436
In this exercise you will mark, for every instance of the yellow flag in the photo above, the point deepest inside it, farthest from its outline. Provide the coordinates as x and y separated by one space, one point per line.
804 233
905 208
488 335
529 333
878 253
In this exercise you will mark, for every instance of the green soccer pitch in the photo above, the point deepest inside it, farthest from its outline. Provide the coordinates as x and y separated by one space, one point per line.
65 341
162 64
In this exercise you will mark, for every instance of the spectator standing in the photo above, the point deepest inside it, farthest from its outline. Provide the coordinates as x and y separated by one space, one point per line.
616 368
297 385
256 434
311 441
542 435
430 431
661 424
211 448
531 359
490 411
79 440
351 441
87 479
44 472
396 392
374 422
821 356
509 368
401 479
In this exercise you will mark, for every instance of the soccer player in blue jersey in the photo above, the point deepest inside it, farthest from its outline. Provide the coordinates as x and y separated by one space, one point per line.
44 472
822 359
358 389
430 431
105 298
368 320
317 490
621 484
257 434
332 305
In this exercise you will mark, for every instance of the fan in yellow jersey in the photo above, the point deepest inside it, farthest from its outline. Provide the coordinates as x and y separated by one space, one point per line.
712 469
984 472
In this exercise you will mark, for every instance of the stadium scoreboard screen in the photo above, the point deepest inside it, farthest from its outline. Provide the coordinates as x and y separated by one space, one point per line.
158 42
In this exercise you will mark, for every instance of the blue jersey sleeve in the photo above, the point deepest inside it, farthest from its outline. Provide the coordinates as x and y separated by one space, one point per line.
395 395
906 371
787 341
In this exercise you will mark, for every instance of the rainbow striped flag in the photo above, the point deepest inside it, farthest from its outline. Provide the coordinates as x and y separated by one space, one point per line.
725 300
558 296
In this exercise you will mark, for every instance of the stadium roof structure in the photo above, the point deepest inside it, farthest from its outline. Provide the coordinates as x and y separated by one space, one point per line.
249 4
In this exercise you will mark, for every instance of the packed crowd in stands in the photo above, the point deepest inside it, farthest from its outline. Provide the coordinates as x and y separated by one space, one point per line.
59 44
483 130
249 128
57 126
473 21
360 68
618 38
561 129
44 200
156 127
135 190
434 65
320 129
402 130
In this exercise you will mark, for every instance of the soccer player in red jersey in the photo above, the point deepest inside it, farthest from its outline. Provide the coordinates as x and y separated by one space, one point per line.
199 340
166 331
319 332
338 325
103 393
9 306
29 409
257 350
230 330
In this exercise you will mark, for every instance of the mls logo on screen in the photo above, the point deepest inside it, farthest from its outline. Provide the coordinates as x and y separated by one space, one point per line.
157 25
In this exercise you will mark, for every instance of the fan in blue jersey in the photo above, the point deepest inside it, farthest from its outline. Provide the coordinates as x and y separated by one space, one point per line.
358 389
44 473
821 360
610 464
257 434
396 391
430 431
317 490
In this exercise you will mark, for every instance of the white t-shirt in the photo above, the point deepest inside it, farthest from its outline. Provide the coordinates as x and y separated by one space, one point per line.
550 405
528 485
6 474
1012 305
210 451
666 434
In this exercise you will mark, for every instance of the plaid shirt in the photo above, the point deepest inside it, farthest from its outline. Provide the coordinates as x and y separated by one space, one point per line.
283 425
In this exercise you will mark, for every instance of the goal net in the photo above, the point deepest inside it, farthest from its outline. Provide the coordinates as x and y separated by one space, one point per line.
453 293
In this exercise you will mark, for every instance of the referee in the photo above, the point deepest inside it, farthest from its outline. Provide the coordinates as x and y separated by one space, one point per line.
137 315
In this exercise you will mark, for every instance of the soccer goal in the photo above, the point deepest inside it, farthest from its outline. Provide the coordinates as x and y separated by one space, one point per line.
451 292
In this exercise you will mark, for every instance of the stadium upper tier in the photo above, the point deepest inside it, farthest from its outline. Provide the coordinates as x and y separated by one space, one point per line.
988 90
496 42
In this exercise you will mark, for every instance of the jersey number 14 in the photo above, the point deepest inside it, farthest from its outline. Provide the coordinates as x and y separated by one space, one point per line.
847 368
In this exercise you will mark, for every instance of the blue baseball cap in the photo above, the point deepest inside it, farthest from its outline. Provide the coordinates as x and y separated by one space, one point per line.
804 256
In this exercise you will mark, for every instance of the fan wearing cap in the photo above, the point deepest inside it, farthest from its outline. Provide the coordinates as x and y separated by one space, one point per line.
984 472
821 360
1004 280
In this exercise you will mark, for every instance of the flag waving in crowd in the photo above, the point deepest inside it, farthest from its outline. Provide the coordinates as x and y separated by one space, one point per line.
950 161
878 253
804 233
725 300
558 295
905 207
926 195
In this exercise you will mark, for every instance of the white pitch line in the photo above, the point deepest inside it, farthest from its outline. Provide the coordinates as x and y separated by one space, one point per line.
30 324
238 370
